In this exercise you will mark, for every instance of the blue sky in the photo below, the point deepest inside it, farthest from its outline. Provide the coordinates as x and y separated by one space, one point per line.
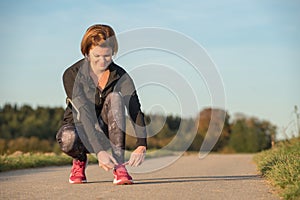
255 45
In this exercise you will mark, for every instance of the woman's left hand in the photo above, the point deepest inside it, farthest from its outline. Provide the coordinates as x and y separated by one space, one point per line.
137 156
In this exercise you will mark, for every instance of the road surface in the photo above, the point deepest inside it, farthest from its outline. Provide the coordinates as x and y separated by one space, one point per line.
214 177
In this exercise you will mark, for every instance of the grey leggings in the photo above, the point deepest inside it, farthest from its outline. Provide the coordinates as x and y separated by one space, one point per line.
111 122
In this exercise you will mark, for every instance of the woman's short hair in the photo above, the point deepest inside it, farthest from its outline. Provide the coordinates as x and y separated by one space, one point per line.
99 35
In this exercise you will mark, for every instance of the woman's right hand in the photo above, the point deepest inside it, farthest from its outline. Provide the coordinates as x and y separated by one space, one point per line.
106 161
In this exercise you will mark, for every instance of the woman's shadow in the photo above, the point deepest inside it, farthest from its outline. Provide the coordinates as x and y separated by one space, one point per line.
196 179
190 179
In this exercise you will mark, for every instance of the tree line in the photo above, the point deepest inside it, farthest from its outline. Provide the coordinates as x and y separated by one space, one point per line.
30 129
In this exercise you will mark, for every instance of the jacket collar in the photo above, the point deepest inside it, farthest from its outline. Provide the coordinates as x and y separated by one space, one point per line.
84 73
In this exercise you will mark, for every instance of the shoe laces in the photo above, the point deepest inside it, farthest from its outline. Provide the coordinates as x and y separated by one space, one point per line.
78 168
121 170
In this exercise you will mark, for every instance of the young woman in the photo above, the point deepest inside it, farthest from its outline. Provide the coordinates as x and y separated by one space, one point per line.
98 90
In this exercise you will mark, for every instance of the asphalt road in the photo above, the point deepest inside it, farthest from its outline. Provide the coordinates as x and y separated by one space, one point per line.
214 177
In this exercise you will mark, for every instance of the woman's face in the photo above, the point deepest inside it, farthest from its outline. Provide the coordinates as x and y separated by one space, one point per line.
100 57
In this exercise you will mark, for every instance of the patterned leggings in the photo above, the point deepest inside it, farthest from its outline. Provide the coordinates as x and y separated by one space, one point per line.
111 122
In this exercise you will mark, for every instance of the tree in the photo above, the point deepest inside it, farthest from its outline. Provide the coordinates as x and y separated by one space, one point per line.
218 120
251 135
42 122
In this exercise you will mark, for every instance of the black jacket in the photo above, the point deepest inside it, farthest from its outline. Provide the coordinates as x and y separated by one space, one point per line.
83 93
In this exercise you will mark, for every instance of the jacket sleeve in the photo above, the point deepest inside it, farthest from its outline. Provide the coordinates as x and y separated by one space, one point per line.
133 107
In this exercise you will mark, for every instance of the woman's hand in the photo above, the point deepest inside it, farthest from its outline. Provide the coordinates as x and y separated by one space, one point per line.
137 157
106 161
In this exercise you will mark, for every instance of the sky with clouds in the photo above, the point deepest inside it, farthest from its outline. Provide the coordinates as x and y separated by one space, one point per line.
255 46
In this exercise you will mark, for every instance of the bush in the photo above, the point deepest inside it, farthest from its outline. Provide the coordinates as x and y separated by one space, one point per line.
32 144
281 165
2 146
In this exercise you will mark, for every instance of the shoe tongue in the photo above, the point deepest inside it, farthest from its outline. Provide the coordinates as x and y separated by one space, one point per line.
80 163
122 169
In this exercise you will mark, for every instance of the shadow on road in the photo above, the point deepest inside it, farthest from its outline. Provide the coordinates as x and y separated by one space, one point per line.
187 179
196 179
91 182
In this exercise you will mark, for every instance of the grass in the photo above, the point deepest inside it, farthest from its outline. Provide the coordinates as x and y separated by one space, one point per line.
19 160
281 165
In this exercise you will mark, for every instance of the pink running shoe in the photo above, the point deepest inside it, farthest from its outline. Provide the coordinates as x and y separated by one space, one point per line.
77 175
121 176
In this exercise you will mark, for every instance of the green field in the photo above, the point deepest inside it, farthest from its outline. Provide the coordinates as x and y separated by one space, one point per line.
19 160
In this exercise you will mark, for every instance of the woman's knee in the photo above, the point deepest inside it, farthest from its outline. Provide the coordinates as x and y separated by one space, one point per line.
66 137
113 106
114 97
